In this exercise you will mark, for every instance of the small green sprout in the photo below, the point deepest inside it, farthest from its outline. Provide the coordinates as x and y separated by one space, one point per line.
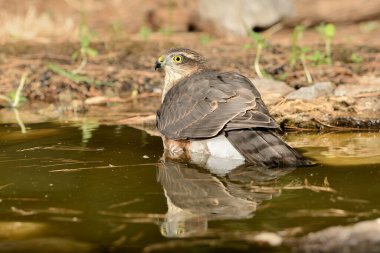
260 43
303 53
298 53
145 33
369 27
85 51
317 58
327 31
295 53
354 58
283 76
116 27
14 99
77 78
205 39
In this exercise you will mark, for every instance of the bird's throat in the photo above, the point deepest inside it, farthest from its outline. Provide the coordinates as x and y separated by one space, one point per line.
173 77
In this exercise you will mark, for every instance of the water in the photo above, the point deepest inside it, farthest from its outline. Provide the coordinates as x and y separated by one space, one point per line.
87 187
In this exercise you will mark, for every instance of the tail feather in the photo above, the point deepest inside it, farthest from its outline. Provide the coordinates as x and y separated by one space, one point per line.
264 147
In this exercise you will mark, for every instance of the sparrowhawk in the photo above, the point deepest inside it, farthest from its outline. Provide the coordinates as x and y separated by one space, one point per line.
218 113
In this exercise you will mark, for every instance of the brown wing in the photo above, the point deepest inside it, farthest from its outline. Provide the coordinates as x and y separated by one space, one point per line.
207 103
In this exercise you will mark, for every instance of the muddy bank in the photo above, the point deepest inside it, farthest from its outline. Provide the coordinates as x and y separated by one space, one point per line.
121 78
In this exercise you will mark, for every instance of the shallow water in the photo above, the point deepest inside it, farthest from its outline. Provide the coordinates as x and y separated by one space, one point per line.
86 187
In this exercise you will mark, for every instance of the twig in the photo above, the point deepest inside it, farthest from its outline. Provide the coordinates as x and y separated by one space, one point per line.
103 167
278 104
334 127
132 215
125 203
367 94
5 186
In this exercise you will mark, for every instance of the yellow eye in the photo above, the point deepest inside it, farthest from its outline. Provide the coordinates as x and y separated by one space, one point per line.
177 59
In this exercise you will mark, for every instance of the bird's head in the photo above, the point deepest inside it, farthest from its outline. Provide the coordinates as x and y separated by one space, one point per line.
180 62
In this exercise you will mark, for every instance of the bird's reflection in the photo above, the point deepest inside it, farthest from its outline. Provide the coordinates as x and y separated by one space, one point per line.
208 188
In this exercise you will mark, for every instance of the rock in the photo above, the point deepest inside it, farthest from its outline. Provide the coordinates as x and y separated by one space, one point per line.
363 237
368 106
334 11
236 17
271 90
365 86
268 238
102 100
311 92
366 94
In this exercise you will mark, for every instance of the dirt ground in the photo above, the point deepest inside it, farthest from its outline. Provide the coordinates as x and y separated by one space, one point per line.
121 75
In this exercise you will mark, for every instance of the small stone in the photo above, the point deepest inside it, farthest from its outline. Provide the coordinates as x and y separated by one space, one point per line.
365 86
236 17
271 90
362 237
96 100
314 91
268 238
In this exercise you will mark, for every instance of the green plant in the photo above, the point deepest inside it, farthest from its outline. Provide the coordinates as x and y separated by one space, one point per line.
14 99
354 58
205 39
327 31
85 51
77 78
303 53
369 27
295 49
299 53
283 76
145 33
317 58
116 27
260 43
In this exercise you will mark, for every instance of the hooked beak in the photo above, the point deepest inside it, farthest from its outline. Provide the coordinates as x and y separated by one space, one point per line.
157 65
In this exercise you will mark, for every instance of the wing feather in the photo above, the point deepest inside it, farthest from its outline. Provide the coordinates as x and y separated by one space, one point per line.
206 103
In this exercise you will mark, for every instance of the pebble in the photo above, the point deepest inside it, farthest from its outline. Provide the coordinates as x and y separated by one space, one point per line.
323 89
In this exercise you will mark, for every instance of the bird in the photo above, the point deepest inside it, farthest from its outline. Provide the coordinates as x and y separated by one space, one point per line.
217 113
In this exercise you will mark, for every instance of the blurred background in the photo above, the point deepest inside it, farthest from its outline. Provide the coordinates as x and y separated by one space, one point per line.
56 21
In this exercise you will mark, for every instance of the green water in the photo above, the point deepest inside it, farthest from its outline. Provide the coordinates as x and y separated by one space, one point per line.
94 188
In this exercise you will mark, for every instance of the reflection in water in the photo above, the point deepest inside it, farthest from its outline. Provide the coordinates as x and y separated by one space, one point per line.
87 126
198 193
104 194
339 149
19 121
